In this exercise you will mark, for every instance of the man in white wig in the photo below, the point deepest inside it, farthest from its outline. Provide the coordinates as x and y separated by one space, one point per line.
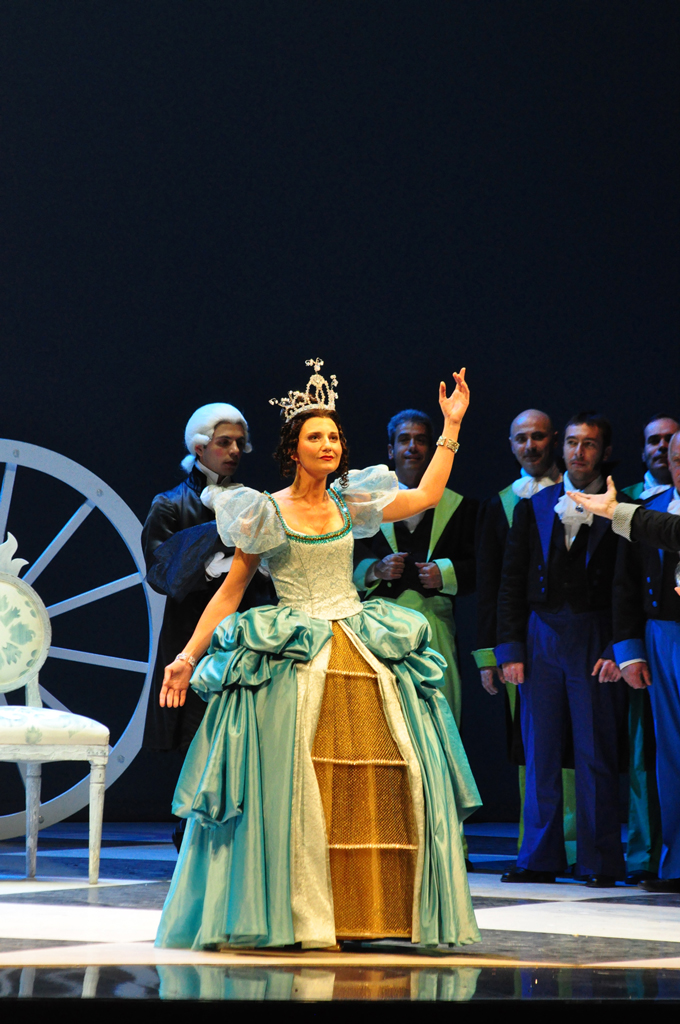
186 559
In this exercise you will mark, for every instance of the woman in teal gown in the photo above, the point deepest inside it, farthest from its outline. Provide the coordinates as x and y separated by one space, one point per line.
264 862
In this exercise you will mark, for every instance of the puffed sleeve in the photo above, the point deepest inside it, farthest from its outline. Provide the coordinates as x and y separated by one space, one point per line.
245 519
367 493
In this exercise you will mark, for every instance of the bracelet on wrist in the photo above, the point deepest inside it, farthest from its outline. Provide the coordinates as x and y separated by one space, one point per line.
448 442
183 656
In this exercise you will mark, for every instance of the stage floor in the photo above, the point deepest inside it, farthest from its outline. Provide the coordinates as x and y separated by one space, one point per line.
60 937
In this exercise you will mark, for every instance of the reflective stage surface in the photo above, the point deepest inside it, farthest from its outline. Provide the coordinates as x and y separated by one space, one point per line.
356 983
62 939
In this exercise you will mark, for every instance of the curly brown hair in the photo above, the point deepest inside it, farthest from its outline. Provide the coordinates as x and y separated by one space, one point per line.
288 443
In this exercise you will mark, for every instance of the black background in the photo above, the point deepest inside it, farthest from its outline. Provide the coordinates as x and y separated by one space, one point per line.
196 196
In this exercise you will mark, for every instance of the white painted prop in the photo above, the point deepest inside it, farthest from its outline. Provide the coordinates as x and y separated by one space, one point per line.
98 495
30 734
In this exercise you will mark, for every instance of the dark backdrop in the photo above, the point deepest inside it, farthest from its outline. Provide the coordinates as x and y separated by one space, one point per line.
197 196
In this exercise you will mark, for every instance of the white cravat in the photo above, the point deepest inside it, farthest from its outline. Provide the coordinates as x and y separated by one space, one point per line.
528 485
219 563
412 522
674 503
652 487
572 520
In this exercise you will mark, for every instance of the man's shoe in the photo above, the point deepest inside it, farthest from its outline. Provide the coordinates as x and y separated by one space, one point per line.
635 877
661 885
601 882
527 875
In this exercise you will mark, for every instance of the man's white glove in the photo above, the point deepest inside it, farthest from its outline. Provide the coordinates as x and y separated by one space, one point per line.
218 565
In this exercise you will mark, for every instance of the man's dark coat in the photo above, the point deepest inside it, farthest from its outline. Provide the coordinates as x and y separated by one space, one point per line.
539 572
178 538
455 543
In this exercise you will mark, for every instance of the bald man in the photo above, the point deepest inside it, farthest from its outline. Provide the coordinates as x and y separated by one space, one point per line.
532 442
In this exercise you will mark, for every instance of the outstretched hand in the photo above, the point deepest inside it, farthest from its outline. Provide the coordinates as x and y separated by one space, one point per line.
455 406
176 680
598 504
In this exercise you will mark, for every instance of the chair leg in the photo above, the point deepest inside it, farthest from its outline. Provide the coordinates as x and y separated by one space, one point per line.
90 982
32 813
26 982
97 785
33 772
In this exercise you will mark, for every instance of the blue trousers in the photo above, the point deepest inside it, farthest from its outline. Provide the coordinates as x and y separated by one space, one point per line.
663 652
562 648
644 817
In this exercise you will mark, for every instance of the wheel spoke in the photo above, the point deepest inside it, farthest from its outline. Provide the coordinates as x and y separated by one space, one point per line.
91 491
53 702
6 495
58 542
87 658
94 595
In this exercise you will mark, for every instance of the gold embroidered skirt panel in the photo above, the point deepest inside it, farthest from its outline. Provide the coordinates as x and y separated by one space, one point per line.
364 785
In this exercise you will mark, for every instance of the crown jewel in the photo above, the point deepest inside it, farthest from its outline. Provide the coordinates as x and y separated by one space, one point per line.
320 394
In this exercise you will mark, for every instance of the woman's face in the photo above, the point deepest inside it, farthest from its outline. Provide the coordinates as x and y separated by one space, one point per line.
319 447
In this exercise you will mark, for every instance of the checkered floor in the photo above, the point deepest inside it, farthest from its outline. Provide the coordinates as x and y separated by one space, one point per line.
57 934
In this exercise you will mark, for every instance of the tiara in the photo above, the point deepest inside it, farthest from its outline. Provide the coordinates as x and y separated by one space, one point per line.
320 394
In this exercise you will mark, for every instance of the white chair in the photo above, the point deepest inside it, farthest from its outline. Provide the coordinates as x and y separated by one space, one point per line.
32 734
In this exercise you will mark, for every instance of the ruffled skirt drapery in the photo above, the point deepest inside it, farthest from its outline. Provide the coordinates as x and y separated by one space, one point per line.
279 847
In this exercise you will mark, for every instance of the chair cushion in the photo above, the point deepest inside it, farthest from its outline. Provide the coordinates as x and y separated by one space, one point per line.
44 727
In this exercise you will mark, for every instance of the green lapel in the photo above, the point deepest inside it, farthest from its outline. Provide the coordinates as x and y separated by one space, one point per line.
508 500
442 513
635 490
388 531
447 506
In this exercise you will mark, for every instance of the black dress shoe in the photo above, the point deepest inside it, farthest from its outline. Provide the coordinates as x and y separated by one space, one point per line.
661 885
601 882
527 875
635 877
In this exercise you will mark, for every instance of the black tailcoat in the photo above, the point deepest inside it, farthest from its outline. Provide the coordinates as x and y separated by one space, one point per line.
179 536
491 538
662 529
493 526
456 544
539 572
644 583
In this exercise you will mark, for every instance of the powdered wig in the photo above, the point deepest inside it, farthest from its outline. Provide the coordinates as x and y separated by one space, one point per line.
201 427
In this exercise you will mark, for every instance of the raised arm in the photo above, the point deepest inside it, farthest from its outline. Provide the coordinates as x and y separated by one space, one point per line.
431 487
224 602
